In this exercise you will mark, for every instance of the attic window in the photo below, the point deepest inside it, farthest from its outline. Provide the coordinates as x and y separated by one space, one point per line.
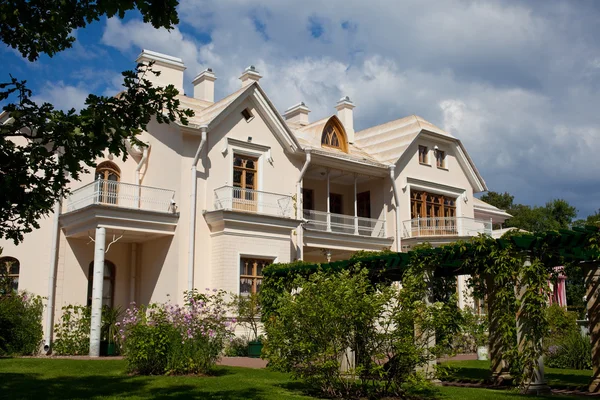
334 136
247 114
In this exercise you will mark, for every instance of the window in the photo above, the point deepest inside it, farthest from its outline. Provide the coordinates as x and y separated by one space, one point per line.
308 199
334 135
251 270
11 267
108 175
108 289
480 306
432 214
245 169
423 155
247 114
335 203
364 204
440 158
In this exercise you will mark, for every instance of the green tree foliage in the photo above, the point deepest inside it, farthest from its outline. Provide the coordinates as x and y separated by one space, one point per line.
593 219
42 149
556 214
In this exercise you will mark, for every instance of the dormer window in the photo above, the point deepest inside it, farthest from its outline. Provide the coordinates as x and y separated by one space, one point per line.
423 155
334 135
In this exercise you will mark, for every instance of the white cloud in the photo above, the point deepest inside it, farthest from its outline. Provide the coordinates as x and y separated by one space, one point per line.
62 96
517 82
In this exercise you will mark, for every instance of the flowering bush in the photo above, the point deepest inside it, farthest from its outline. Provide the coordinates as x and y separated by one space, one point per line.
20 323
171 339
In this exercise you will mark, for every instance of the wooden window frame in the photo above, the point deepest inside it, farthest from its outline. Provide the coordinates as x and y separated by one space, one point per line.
440 159
334 128
423 155
107 195
254 277
8 262
247 193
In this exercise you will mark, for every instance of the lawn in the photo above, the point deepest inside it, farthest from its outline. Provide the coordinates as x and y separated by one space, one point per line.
106 379
479 371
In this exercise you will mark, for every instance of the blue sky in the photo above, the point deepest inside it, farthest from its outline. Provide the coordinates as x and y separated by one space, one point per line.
517 82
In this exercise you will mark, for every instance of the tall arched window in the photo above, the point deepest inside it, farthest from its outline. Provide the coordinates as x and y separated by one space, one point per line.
10 268
108 176
334 135
108 289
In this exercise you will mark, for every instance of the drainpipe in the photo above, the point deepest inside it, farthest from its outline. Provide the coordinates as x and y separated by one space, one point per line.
192 233
52 279
299 216
397 200
137 174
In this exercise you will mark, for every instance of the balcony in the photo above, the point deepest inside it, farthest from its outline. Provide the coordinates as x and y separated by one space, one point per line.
131 212
449 226
230 198
339 223
121 195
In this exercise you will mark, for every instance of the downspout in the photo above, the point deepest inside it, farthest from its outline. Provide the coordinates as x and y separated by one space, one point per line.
192 233
138 179
52 279
397 200
299 216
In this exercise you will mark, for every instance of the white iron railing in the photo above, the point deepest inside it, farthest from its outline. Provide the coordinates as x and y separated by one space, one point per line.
329 222
121 195
232 198
446 226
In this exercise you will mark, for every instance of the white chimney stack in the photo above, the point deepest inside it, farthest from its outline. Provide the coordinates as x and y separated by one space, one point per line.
250 76
346 115
204 86
170 68
297 114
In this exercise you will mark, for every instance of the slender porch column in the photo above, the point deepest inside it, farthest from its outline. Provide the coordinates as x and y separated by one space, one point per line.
97 289
499 366
538 382
328 205
355 208
592 284
132 272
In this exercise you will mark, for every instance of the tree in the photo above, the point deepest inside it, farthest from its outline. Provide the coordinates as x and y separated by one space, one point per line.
556 214
42 149
592 219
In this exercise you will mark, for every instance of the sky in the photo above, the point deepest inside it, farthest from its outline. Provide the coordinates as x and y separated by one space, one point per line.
518 82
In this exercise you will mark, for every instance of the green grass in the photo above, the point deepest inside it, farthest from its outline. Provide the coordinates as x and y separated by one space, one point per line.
479 371
106 379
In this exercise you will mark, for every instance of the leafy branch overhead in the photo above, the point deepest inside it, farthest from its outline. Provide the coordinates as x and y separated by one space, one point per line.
35 27
42 149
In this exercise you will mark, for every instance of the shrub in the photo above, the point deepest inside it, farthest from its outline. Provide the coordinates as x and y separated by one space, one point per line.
473 332
169 339
72 334
561 323
237 347
20 323
573 351
387 328
248 312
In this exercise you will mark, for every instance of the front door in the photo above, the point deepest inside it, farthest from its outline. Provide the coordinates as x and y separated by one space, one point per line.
245 169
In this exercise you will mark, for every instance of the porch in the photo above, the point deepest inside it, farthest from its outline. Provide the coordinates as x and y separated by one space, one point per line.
445 227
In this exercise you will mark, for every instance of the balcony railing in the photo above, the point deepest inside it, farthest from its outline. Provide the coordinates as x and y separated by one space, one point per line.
447 226
121 195
329 222
232 198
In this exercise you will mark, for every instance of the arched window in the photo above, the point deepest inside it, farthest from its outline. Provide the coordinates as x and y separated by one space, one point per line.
334 135
10 268
108 176
108 289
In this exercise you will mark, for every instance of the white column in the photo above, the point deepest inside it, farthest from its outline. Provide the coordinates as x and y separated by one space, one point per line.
52 279
132 272
97 289
355 208
328 205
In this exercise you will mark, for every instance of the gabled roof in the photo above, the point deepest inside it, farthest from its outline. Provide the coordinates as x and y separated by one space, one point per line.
215 113
388 143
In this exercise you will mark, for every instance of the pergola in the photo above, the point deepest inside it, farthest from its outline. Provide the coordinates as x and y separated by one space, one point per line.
553 248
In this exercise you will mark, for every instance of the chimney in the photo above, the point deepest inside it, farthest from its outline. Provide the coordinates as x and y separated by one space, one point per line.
204 86
297 114
346 115
250 76
170 68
